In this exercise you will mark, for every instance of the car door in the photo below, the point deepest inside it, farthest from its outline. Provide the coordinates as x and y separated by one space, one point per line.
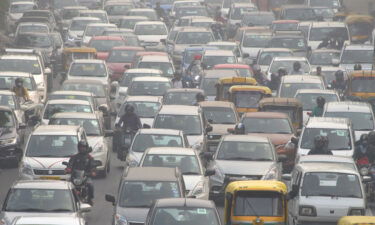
293 203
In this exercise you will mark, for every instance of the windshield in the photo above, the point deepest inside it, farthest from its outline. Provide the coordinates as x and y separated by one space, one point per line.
6 119
308 100
20 8
319 34
105 45
142 109
289 90
265 58
288 66
148 88
180 98
247 99
325 13
35 41
51 109
237 13
300 14
141 194
53 146
118 10
91 126
360 121
357 56
39 200
97 90
150 29
258 19
7 83
284 26
165 67
247 151
88 69
323 58
227 3
191 125
151 15
292 43
209 86
58 4
20 65
195 11
95 30
331 184
128 77
185 215
325 3
219 115
267 125
188 164
101 16
258 203
366 84
188 38
145 141
8 100
210 61
69 14
31 29
338 139
121 56
129 23
253 40
80 25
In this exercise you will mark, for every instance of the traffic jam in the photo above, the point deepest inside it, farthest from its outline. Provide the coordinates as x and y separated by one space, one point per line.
187 112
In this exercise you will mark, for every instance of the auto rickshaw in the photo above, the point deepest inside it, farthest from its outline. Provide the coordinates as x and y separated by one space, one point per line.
360 28
70 54
223 85
361 87
356 220
256 202
247 97
290 106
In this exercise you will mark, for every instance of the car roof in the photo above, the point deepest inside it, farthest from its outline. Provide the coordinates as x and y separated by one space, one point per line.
160 131
218 53
143 99
220 73
325 158
42 184
150 22
269 115
74 115
184 90
328 122
195 29
150 79
83 81
19 56
67 92
170 151
155 58
86 18
142 10
245 138
223 104
348 106
56 130
301 79
67 102
328 24
144 70
289 58
151 174
184 202
6 92
179 110
14 74
276 50
327 167
99 61
359 47
316 91
47 220
222 43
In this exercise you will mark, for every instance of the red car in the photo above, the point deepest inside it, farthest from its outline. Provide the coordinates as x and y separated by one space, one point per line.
104 44
119 57
243 70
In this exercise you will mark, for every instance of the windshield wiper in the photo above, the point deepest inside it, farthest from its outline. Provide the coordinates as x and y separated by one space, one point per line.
60 210
282 132
45 156
263 159
138 206
26 210
190 173
240 158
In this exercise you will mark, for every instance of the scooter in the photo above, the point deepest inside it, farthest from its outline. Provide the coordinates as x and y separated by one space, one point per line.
126 141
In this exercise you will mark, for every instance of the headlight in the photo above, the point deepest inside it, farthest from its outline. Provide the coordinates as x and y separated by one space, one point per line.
198 189
356 212
9 141
364 171
131 161
26 169
120 220
271 174
307 210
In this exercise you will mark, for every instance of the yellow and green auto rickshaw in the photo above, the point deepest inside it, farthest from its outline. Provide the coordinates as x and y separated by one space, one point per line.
255 202
223 85
247 97
360 28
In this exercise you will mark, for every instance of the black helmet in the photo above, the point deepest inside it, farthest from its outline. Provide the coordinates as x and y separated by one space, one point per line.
282 71
200 97
319 141
339 73
363 138
129 108
18 81
371 137
296 65
357 67
83 147
320 101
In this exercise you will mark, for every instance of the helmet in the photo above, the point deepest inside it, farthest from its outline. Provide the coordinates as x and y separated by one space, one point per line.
198 57
296 65
200 97
371 137
320 141
129 108
18 82
257 68
83 147
357 67
364 138
282 71
339 74
320 101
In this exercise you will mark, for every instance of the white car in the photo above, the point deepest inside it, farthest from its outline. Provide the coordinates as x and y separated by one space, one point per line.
16 10
255 40
159 62
211 58
287 64
290 84
237 10
321 30
188 161
51 220
77 28
150 33
95 29
92 69
357 54
149 86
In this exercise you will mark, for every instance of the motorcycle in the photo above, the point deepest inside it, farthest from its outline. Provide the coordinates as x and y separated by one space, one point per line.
126 141
367 170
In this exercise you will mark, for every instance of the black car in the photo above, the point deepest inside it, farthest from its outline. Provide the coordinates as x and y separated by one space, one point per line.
11 137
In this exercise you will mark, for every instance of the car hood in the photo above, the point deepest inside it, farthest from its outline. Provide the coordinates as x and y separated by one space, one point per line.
191 181
101 100
193 139
151 38
221 128
16 16
10 216
46 162
148 121
277 139
7 133
244 167
95 141
117 67
133 214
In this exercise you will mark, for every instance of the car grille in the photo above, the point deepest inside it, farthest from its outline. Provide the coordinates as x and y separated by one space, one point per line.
214 136
241 177
49 172
135 223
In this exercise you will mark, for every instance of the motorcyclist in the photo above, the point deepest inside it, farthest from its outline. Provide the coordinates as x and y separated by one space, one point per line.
161 13
84 161
180 81
357 67
20 90
296 68
218 31
195 66
339 83
259 75
276 79
199 97
129 119
371 147
361 153
318 109
320 146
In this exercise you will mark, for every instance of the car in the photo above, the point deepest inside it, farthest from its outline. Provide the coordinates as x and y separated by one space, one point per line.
65 105
31 27
146 107
356 54
149 86
46 147
253 40
293 40
237 11
146 12
104 44
265 56
150 33
290 84
148 138
130 21
95 29
181 96
338 130
12 140
77 28
334 4
97 137
97 13
189 119
257 18
210 58
320 31
178 4
242 156
116 9
287 63
297 12
16 10
210 79
201 21
191 11
198 210
51 198
308 99
360 114
79 95
67 14
139 187
324 57
322 193
226 4
221 116
52 220
92 69
196 178
159 62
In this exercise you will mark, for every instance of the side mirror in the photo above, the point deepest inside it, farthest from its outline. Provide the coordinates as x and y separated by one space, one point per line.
231 130
286 177
282 158
85 207
208 129
22 126
110 198
47 71
146 126
294 140
209 173
108 133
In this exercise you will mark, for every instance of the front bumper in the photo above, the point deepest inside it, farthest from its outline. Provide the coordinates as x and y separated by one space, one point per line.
46 174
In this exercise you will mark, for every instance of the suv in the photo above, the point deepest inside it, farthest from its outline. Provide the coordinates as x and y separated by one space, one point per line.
356 54
139 187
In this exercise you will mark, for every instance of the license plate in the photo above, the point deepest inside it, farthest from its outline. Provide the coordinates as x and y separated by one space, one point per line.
50 177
